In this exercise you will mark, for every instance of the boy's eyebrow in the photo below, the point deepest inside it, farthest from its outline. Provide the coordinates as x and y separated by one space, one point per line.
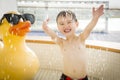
63 21
70 20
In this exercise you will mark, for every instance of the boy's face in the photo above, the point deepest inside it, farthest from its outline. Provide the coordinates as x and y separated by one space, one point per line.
66 25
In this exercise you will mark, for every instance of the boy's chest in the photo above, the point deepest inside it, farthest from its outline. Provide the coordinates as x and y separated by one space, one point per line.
72 45
73 48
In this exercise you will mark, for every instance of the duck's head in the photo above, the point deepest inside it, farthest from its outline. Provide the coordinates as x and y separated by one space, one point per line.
13 23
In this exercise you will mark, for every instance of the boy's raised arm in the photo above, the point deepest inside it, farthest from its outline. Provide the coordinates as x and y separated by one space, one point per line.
96 14
47 30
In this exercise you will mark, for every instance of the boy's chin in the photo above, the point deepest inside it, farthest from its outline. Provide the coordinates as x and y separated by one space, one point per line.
68 34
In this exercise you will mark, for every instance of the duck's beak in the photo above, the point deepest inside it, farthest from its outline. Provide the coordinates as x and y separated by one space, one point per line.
20 29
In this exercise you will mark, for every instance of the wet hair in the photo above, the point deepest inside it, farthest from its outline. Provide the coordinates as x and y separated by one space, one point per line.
65 13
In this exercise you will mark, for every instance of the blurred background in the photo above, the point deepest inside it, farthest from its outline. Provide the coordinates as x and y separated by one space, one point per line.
107 28
103 64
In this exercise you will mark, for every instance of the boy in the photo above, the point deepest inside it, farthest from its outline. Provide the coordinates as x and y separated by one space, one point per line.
72 47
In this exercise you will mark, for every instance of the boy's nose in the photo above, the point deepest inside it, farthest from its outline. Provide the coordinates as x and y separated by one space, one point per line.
66 25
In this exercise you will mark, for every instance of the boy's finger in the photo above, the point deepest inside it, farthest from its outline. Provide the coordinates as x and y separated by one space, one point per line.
93 10
101 6
47 19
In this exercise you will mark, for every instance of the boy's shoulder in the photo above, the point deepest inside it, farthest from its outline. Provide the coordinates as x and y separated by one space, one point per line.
58 40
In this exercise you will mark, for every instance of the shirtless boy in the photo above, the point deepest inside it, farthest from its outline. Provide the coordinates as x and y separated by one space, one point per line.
73 46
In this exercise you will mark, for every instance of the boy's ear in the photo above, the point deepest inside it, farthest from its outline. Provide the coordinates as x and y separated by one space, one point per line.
77 23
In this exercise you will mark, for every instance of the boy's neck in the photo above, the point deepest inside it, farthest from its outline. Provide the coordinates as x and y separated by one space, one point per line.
70 38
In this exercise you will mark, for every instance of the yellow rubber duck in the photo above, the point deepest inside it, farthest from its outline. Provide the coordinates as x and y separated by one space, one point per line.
17 61
1 45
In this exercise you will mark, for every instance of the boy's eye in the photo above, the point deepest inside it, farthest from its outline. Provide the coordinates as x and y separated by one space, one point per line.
61 24
69 22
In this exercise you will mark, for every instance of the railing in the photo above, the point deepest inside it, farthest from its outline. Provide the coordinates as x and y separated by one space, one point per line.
103 59
102 45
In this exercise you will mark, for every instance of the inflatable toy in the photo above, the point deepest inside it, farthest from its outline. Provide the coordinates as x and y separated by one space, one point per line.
17 60
1 45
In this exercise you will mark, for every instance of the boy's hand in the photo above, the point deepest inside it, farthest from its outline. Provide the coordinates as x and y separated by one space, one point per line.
98 12
48 30
45 23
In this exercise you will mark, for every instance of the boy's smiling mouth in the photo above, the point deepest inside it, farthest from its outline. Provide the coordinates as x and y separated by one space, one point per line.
67 30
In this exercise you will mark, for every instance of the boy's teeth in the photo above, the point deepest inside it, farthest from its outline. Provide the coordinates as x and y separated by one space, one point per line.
67 30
